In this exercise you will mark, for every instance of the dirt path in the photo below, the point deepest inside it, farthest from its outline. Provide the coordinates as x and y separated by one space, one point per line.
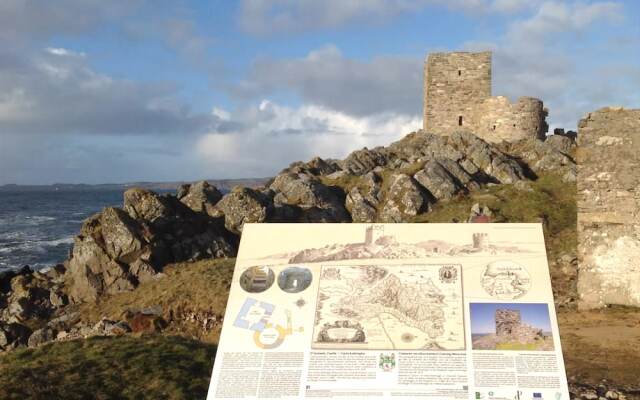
601 345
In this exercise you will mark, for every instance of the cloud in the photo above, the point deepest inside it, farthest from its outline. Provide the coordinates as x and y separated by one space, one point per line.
24 20
54 91
283 134
271 16
327 78
543 56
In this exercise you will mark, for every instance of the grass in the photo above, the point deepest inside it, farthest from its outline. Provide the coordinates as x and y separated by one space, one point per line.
148 367
516 346
552 202
199 288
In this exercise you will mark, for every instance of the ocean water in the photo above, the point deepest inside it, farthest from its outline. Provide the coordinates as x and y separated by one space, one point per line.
37 227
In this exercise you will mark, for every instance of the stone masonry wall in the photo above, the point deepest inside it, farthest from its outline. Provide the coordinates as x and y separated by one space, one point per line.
454 84
457 96
507 321
609 208
497 119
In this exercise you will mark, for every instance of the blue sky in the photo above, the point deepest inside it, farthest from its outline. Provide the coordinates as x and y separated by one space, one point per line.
483 315
94 91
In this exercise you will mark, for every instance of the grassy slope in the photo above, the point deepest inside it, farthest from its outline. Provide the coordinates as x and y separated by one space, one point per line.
149 367
188 288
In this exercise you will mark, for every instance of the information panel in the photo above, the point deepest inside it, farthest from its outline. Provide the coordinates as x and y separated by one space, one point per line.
434 311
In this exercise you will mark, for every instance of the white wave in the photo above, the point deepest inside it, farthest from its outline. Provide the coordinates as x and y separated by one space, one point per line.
39 218
56 242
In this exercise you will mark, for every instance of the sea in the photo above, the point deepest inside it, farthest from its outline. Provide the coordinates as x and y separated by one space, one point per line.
37 227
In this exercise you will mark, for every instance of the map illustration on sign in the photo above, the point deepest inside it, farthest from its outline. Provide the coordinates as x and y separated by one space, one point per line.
506 280
411 307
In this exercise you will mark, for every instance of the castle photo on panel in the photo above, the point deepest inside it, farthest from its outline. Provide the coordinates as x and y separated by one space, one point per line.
294 279
510 326
257 279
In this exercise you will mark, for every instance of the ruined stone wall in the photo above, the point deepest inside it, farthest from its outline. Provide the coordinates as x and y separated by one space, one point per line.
497 119
454 84
608 182
507 321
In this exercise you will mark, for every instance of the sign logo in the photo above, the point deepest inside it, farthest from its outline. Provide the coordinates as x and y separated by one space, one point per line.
387 362
448 274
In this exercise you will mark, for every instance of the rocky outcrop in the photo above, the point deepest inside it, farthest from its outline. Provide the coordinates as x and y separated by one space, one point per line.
119 248
555 153
28 300
318 202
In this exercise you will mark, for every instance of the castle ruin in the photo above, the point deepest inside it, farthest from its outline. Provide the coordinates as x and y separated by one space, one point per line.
608 208
480 241
457 96
373 233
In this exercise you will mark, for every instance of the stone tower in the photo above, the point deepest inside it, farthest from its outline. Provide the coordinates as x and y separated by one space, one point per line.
480 241
507 321
457 97
373 233
455 84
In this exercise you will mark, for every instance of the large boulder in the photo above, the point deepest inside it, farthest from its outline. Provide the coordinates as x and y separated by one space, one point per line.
200 196
441 183
243 205
404 200
319 203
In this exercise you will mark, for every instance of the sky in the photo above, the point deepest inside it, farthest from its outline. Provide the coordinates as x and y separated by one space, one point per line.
96 91
483 320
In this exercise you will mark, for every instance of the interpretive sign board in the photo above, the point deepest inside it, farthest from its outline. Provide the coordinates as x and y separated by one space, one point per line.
439 311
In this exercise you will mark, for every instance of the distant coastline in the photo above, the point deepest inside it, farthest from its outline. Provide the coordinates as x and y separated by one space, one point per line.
222 184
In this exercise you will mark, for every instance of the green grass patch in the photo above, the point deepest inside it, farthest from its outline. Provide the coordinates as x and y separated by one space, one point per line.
551 201
516 346
148 367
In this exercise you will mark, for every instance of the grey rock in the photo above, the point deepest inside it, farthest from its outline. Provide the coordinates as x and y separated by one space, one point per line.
362 161
438 181
243 205
363 200
200 196
41 336
318 202
405 199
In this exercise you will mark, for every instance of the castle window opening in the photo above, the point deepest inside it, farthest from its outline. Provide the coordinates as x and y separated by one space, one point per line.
494 127
460 120
459 72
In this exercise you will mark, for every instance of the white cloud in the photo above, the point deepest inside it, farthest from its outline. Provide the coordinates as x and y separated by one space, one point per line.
543 56
56 91
270 136
270 16
326 77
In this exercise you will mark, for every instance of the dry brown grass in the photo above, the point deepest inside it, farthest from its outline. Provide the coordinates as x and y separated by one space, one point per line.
200 288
